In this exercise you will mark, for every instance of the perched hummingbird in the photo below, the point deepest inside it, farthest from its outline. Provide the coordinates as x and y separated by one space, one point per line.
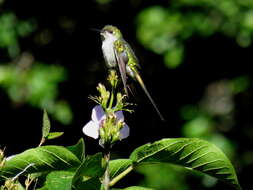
117 52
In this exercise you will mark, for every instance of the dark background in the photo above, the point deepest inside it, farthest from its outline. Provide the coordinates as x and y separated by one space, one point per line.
79 50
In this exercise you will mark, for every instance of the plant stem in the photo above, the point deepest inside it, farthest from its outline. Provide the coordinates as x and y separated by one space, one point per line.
121 175
112 97
42 141
106 181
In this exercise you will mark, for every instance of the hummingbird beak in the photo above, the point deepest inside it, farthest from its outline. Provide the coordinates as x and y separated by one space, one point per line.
101 32
96 30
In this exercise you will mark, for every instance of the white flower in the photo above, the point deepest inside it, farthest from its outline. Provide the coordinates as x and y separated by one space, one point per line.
98 117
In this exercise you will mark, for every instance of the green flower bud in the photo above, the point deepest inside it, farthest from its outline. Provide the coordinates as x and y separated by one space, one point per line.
113 78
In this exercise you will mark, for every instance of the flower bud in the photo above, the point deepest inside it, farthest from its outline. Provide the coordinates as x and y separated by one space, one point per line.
104 95
113 78
2 158
1 155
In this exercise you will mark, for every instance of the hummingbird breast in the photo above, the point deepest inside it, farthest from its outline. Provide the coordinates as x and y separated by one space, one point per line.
108 52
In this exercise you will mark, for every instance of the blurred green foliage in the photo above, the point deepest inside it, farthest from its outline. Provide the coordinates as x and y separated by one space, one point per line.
103 2
36 85
26 80
163 177
11 29
164 30
169 176
213 116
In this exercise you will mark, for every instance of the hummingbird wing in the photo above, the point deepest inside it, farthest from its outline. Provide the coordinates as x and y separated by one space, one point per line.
122 59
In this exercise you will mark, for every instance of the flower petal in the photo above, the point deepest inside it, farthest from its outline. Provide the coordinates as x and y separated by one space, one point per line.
124 132
97 113
119 115
91 129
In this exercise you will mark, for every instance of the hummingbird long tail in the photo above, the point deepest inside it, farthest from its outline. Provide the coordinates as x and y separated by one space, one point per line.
139 79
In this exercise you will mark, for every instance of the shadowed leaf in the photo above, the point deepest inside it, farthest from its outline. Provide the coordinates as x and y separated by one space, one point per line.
78 149
59 180
89 169
118 166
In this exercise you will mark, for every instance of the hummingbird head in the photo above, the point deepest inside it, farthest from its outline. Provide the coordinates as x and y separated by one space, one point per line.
110 31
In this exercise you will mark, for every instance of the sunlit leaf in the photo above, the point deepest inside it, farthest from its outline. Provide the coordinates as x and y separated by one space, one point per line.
45 158
53 135
191 153
46 125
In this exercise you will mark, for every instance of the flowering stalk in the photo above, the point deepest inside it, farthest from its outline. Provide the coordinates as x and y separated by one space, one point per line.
106 180
107 120
113 79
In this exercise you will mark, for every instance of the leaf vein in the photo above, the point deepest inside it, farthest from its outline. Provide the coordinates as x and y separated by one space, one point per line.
198 157
205 163
55 155
195 150
215 168
158 150
181 148
45 162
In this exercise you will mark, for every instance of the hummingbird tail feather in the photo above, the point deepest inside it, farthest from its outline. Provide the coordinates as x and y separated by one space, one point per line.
139 79
130 90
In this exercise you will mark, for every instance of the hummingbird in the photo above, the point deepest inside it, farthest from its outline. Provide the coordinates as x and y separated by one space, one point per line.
118 53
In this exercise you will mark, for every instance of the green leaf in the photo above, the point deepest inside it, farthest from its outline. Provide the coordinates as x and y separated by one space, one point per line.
59 180
90 168
43 188
134 188
44 158
90 184
191 153
78 149
53 135
20 187
118 166
46 125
